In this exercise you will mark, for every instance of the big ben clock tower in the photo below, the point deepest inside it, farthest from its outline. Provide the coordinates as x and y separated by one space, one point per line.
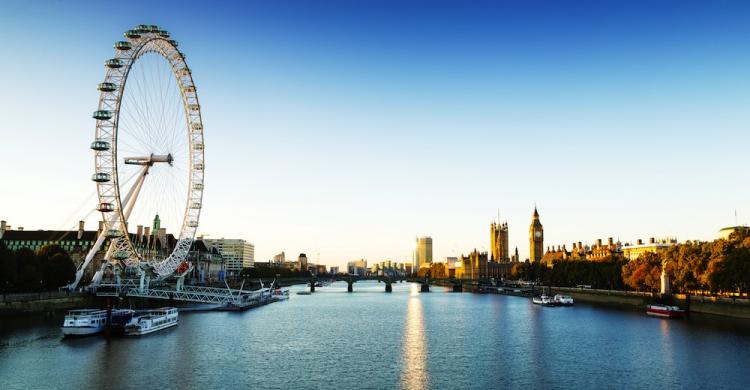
536 238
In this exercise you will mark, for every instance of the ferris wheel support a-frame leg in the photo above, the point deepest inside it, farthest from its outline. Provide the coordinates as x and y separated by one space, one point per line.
129 203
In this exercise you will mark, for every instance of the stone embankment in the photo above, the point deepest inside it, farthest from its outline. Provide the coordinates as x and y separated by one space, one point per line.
42 302
728 307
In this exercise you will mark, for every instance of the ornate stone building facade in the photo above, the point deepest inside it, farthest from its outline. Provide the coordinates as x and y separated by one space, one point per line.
499 242
536 238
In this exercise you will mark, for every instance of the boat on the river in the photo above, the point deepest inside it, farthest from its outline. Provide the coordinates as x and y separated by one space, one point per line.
303 292
665 311
280 294
544 300
563 300
152 321
84 322
120 318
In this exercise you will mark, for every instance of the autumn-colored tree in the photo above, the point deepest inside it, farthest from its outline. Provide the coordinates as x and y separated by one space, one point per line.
643 273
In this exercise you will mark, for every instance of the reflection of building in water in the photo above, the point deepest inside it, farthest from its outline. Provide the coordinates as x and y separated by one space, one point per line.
414 349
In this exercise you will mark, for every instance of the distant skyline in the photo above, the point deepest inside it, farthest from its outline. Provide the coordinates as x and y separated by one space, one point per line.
350 128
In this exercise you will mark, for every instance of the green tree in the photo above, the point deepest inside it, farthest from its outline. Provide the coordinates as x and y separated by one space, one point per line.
56 266
8 269
29 272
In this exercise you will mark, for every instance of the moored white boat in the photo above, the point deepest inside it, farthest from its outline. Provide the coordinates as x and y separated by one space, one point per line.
563 300
152 321
543 300
84 322
664 311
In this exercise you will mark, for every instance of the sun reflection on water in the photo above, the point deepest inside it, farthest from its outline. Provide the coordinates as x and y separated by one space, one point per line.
414 353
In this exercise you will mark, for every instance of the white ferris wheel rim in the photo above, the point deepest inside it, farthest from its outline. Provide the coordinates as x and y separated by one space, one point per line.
139 41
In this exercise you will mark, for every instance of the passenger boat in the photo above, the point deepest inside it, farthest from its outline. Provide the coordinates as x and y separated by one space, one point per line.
120 318
665 311
563 300
280 294
303 292
84 322
543 300
152 321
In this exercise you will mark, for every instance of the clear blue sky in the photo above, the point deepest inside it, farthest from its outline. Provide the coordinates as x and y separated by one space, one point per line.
347 128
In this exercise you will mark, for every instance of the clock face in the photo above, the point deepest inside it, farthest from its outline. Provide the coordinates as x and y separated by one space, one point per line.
538 234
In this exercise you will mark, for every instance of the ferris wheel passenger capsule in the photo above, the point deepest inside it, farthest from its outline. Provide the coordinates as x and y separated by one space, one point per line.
107 87
113 233
198 167
172 42
195 205
132 34
100 145
123 45
102 115
198 186
193 224
101 177
142 28
153 28
105 207
114 63
163 33
198 146
121 255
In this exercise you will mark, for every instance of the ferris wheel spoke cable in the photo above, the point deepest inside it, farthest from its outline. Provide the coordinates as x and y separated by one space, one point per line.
139 130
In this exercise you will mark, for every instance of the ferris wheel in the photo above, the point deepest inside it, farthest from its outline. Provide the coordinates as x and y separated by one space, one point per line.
148 154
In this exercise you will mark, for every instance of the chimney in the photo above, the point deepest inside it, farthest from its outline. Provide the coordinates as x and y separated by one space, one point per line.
598 242
580 245
139 234
20 228
3 226
558 248
652 240
610 241
639 242
80 229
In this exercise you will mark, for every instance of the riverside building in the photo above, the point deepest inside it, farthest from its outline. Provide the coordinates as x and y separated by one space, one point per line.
536 238
236 252
423 252
499 250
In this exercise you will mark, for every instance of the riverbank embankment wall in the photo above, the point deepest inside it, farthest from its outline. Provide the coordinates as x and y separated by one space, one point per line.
42 302
729 307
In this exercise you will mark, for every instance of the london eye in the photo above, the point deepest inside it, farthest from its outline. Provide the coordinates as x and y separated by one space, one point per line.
148 152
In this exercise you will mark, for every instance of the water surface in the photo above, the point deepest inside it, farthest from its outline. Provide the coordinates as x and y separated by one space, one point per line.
406 339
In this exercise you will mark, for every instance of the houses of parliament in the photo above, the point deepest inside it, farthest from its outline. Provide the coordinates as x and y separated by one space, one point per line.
499 250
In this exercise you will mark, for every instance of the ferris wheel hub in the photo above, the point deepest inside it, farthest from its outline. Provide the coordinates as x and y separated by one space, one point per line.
150 160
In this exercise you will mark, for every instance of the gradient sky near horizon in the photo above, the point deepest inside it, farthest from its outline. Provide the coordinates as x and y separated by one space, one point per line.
343 129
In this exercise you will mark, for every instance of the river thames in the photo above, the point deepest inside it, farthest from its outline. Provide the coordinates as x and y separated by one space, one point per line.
371 339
